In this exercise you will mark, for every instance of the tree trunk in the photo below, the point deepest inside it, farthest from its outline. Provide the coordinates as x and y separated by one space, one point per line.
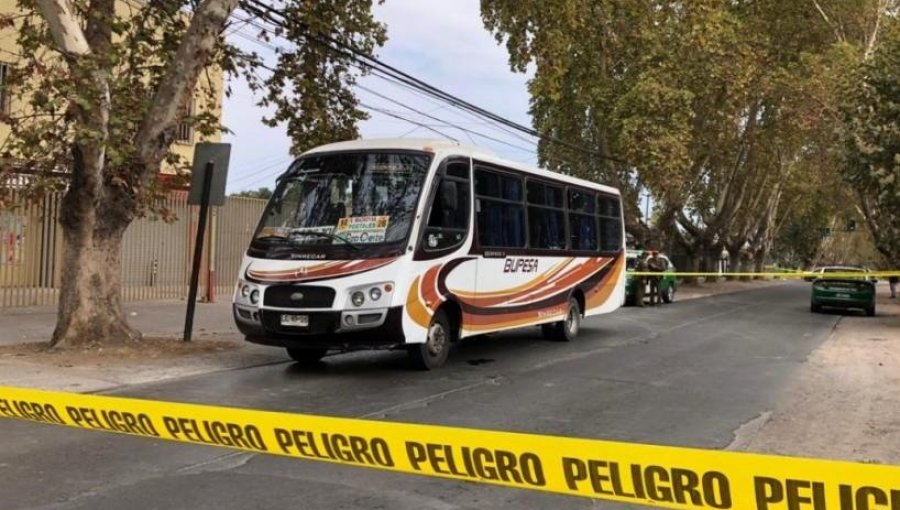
693 268
759 262
90 305
734 262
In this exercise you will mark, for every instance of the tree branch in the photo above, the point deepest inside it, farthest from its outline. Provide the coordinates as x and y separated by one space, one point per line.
873 36
831 24
64 27
177 86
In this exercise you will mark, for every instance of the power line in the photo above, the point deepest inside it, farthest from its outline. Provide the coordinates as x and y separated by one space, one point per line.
370 62
394 115
256 182
432 117
418 124
277 165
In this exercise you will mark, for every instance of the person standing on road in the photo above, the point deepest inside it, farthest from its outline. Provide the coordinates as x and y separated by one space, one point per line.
655 265
640 280
893 281
652 279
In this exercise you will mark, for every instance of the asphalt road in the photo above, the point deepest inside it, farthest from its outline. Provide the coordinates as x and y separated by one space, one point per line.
686 374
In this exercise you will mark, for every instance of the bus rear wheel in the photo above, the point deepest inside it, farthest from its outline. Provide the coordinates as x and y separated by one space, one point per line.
567 329
434 352
307 357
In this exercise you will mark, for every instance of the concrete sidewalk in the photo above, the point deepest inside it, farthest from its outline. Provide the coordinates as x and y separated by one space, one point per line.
152 318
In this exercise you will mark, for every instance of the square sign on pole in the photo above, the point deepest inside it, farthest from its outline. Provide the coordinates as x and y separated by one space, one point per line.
207 188
218 154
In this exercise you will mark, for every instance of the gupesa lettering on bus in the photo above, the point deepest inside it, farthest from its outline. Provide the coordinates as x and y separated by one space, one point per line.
477 463
655 483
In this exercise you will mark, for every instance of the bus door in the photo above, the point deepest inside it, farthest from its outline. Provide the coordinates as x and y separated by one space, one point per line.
445 237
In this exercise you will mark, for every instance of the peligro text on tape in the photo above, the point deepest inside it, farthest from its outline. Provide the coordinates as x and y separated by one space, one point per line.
673 477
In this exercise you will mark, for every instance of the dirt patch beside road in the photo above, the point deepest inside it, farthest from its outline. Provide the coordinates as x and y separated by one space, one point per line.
845 402
150 360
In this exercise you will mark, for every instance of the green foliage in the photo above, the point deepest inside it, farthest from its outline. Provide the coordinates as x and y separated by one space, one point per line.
263 192
311 88
725 110
872 141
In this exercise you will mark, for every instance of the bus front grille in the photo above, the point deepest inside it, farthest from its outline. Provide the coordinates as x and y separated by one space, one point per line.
299 296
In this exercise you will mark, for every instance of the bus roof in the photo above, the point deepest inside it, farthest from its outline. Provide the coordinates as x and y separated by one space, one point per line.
444 148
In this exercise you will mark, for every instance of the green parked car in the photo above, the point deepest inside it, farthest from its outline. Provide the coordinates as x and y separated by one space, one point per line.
667 283
845 293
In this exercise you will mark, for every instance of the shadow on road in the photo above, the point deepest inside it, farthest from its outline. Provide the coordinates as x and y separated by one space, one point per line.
482 351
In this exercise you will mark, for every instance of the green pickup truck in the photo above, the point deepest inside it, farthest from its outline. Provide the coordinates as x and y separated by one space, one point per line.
667 284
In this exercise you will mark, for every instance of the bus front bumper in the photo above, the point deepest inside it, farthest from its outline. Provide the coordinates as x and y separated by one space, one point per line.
374 329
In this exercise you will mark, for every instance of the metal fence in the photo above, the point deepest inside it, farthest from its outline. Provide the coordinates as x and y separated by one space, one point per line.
155 254
234 225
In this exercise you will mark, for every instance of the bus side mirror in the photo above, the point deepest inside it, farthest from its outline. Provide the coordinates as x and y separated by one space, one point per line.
449 197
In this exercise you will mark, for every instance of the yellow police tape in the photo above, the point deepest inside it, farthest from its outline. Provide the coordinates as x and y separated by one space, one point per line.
664 476
799 274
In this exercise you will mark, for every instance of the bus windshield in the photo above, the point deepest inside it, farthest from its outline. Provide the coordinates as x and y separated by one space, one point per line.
344 199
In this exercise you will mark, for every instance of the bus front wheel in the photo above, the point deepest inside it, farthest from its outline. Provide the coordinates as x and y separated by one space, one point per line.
433 353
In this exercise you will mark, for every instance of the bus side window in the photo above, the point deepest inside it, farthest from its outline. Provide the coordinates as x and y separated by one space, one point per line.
448 220
610 218
582 220
499 209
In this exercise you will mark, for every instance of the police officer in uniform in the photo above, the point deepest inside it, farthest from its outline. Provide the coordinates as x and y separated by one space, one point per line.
640 280
655 265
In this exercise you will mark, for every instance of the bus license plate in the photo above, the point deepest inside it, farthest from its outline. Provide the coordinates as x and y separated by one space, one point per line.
842 295
296 321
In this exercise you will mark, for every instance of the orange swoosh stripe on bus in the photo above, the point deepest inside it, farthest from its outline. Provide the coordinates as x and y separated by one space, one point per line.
601 292
561 280
480 315
334 269
565 281
414 306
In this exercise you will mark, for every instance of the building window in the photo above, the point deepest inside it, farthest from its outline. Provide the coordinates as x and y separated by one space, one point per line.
185 132
4 87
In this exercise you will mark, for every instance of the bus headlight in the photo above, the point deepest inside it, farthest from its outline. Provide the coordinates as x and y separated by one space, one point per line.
254 296
245 291
370 295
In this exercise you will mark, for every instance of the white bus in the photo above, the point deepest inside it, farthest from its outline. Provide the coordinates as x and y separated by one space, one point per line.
420 243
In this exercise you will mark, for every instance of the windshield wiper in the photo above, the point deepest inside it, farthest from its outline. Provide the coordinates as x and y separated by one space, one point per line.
329 236
271 238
